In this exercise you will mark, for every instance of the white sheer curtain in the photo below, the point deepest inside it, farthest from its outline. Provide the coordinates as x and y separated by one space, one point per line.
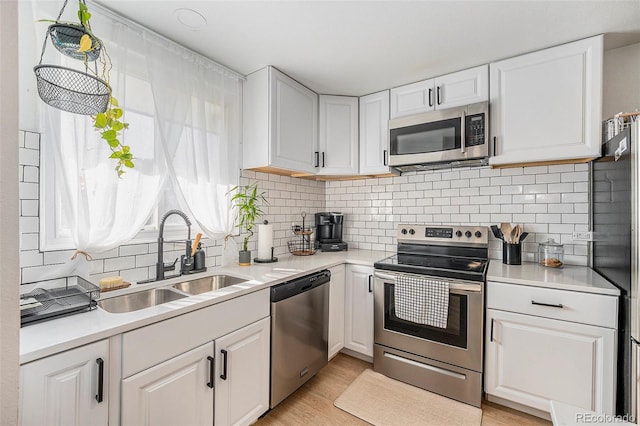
197 106
184 115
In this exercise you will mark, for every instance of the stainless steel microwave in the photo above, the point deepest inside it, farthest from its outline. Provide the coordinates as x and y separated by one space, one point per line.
453 136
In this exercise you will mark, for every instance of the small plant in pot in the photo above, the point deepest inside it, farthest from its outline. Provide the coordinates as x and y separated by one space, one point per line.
247 200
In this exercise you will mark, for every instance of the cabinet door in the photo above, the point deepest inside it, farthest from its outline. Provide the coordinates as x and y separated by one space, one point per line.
242 374
374 133
176 392
336 310
462 88
412 99
338 137
546 105
63 389
359 309
294 124
532 360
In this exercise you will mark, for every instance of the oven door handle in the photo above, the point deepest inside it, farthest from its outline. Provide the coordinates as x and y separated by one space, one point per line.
469 287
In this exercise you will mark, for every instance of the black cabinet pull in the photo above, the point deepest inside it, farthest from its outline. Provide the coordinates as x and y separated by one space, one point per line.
384 157
100 394
212 367
317 154
494 146
438 94
322 158
491 338
549 305
430 97
370 288
223 376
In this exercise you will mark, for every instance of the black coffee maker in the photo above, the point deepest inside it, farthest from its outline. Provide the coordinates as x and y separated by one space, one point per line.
329 231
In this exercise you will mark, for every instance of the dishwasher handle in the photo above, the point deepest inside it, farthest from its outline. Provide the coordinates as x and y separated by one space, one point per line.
300 285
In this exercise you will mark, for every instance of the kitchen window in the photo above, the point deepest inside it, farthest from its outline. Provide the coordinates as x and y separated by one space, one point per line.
184 130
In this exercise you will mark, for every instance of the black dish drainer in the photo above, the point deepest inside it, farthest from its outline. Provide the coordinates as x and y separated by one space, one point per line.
75 296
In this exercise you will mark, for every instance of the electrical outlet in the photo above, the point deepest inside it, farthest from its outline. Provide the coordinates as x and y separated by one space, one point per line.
583 236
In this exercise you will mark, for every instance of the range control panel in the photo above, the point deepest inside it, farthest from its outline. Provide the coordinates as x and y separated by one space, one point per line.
443 234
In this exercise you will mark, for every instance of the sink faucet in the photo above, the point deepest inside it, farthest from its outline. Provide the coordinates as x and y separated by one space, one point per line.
161 267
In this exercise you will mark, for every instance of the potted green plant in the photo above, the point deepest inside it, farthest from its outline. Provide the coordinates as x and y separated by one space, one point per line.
247 200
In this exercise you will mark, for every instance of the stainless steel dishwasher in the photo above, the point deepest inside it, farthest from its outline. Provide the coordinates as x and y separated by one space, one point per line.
299 328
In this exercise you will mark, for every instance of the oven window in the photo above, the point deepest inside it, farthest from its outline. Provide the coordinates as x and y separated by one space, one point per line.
455 334
429 137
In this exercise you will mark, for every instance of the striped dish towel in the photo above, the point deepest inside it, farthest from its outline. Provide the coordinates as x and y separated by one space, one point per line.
422 300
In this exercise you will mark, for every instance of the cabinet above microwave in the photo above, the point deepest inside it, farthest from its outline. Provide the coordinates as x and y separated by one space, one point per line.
448 91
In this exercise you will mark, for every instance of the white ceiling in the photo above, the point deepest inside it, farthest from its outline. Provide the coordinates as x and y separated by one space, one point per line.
360 47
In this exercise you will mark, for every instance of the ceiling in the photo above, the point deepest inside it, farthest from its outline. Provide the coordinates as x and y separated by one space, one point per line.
359 47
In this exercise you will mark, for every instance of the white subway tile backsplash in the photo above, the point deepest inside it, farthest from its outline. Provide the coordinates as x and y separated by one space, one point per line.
32 140
29 157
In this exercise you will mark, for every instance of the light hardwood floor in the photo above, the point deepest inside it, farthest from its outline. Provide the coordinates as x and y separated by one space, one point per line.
312 404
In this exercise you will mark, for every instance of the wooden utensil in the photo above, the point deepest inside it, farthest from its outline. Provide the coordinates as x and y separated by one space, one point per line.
506 231
515 234
194 247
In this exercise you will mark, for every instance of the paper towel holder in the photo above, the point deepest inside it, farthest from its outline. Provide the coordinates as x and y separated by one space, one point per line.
273 258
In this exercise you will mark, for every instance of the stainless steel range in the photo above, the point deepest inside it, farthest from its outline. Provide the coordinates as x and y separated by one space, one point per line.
429 310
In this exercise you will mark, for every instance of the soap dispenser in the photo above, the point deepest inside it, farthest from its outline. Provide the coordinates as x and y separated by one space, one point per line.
198 258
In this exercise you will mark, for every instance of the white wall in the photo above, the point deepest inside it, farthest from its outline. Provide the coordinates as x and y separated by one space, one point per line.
621 91
9 265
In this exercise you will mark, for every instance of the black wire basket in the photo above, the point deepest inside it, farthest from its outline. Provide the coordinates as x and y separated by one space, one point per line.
71 90
66 38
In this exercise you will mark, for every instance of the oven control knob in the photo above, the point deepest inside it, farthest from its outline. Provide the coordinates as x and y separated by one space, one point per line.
404 231
458 233
478 234
412 231
467 234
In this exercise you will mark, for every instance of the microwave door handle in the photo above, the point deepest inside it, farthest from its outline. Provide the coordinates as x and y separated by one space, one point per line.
463 136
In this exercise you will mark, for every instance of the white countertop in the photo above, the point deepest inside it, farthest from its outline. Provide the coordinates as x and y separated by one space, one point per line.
47 338
569 277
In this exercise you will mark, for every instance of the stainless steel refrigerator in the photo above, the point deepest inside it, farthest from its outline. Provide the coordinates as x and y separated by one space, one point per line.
615 193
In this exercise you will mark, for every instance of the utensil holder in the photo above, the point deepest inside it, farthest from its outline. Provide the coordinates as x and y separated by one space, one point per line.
511 254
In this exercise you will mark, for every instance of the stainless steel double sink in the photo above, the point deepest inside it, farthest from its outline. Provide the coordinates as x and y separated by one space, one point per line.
157 296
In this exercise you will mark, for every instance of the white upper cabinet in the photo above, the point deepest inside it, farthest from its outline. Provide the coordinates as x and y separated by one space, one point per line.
374 133
448 91
462 88
338 136
412 98
280 123
547 105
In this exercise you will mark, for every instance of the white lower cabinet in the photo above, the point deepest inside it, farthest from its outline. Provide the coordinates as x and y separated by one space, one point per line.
209 366
70 388
336 310
532 360
358 334
178 391
242 374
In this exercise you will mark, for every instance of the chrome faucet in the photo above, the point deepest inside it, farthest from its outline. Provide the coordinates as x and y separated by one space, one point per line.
186 262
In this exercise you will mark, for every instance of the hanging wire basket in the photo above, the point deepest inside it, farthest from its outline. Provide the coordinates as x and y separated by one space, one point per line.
66 38
65 88
71 90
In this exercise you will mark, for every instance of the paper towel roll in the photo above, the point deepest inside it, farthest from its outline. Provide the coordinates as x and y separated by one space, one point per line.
265 241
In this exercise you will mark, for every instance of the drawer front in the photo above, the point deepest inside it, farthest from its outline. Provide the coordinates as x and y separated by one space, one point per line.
584 308
156 343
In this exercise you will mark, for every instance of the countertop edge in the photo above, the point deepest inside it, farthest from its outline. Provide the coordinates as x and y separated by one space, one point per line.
122 323
566 278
